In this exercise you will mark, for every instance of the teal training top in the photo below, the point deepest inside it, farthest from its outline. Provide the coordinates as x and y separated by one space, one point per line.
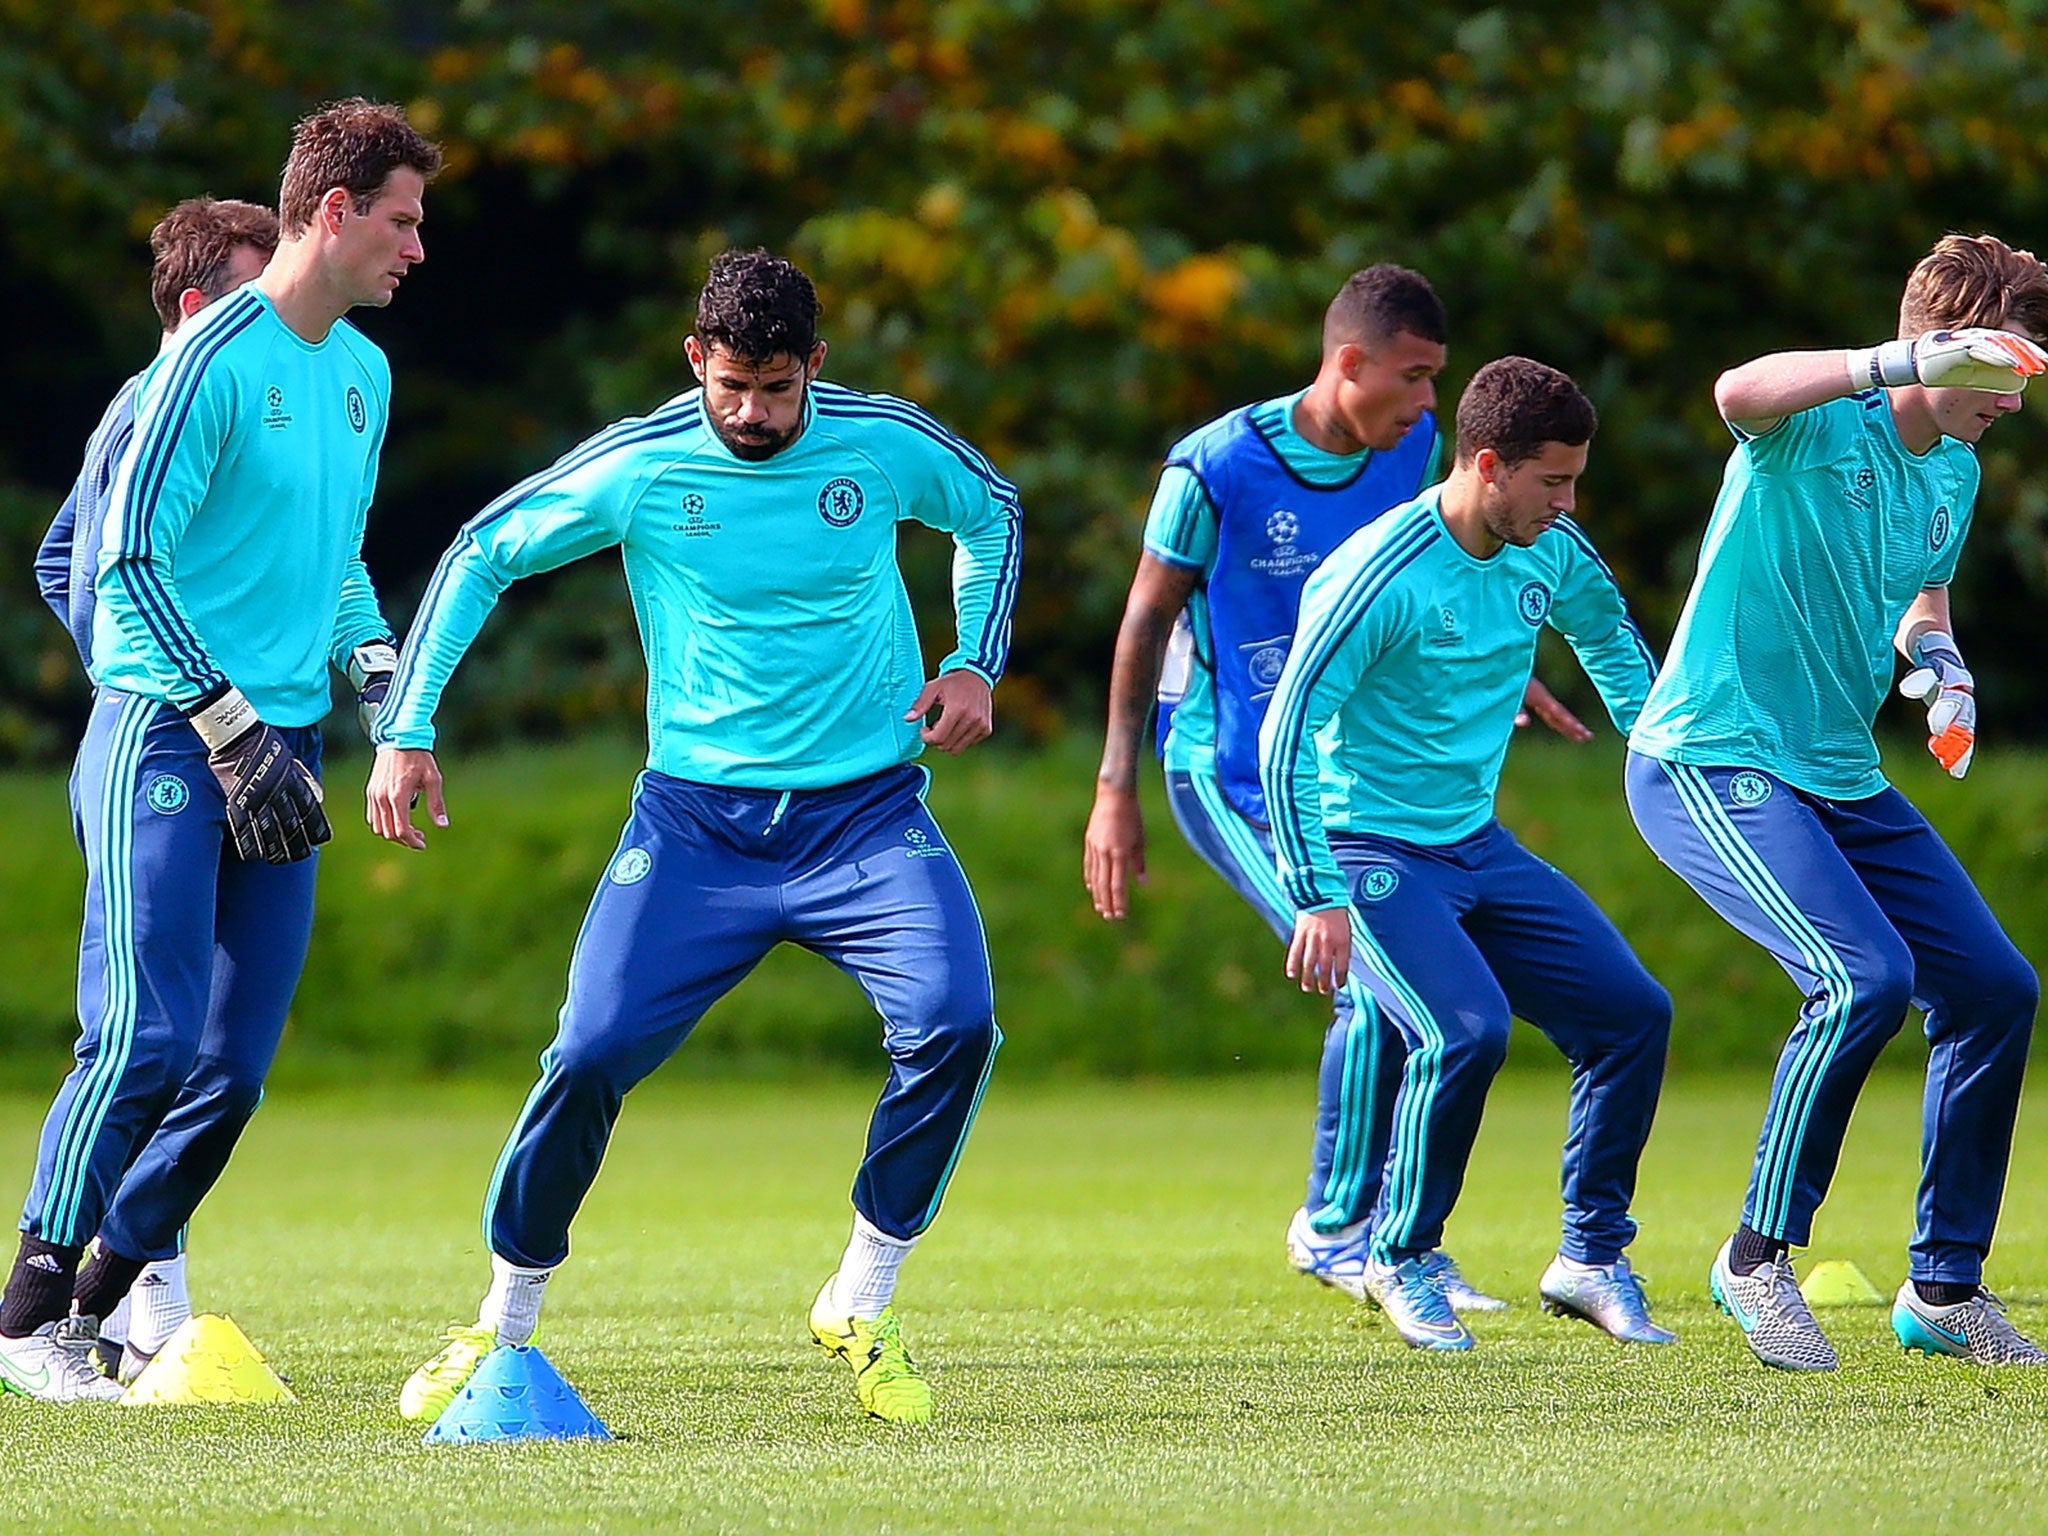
1824 532
781 652
232 549
1395 708
1181 529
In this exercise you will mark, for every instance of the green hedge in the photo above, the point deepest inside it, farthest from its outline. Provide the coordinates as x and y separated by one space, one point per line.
452 962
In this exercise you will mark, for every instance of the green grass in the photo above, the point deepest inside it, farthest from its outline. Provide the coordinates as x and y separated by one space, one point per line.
452 962
1115 1339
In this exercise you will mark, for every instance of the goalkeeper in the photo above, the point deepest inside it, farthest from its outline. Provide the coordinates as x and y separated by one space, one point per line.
1754 775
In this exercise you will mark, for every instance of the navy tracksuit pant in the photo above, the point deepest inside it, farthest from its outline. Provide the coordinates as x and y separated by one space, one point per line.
1867 910
186 969
1362 1052
704 883
1452 940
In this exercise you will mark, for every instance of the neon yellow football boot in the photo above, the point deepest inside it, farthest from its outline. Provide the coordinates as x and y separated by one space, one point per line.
884 1375
431 1388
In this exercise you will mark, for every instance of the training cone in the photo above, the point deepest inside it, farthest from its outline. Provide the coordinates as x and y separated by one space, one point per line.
515 1395
1838 1283
208 1361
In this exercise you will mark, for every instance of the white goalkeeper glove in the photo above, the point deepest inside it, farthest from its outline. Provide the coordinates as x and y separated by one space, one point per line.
1996 361
1945 686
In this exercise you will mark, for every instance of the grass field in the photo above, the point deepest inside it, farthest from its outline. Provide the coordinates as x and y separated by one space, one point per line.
1116 1341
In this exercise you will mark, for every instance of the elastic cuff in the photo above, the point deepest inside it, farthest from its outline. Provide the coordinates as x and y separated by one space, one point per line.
223 718
961 664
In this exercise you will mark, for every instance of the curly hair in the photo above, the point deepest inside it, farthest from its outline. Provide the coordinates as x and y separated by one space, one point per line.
756 306
353 144
192 244
1514 405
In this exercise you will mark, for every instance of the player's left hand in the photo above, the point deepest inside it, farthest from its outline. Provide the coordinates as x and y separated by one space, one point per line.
962 709
1945 686
369 673
398 780
1539 703
1320 956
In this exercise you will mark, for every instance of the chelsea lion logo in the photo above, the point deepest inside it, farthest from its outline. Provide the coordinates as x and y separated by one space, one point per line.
1938 530
1534 603
841 502
1748 788
1377 883
631 867
167 794
358 414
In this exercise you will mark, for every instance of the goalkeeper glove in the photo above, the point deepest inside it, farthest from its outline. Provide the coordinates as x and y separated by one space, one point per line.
273 800
1997 361
1945 686
369 673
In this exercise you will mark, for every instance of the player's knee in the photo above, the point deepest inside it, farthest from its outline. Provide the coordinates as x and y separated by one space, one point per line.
1478 1043
1883 981
2010 988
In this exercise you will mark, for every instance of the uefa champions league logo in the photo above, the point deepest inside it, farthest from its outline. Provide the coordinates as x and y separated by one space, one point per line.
841 502
1285 561
920 845
632 866
1938 530
1534 603
1267 662
1378 883
1283 528
167 794
1748 788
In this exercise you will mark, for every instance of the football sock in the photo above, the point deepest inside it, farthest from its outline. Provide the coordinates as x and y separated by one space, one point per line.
39 1290
1750 1251
103 1281
1577 1267
1942 1293
511 1306
867 1270
159 1304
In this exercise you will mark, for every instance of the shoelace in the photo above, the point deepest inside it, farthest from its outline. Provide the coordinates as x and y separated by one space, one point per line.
891 1359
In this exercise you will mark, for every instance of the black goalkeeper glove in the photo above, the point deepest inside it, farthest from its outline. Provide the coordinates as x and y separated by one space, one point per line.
273 799
369 673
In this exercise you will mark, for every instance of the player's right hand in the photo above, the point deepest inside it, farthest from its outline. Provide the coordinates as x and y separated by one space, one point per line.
1113 850
1975 358
400 777
1320 956
273 800
1945 686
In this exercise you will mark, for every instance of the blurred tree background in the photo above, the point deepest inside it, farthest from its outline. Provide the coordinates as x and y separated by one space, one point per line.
1072 228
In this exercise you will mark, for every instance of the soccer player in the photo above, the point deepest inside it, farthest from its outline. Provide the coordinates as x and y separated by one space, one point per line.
230 577
1380 756
204 249
1245 508
1753 774
786 704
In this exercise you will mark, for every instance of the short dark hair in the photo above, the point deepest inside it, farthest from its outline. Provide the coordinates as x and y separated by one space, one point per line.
353 144
1514 405
1377 304
192 243
757 306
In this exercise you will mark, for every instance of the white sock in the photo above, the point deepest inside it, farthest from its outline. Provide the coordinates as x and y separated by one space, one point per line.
1574 1267
867 1271
511 1306
116 1325
158 1305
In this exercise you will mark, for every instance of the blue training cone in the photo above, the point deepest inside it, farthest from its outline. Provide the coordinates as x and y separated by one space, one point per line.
515 1395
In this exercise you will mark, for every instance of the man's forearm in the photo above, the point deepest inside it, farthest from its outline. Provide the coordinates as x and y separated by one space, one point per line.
1133 681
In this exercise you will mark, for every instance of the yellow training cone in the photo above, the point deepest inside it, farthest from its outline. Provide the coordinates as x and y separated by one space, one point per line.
1838 1283
211 1361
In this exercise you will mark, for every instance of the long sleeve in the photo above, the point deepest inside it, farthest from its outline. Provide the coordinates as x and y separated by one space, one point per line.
53 558
576 507
962 494
1590 612
183 415
359 617
1345 612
